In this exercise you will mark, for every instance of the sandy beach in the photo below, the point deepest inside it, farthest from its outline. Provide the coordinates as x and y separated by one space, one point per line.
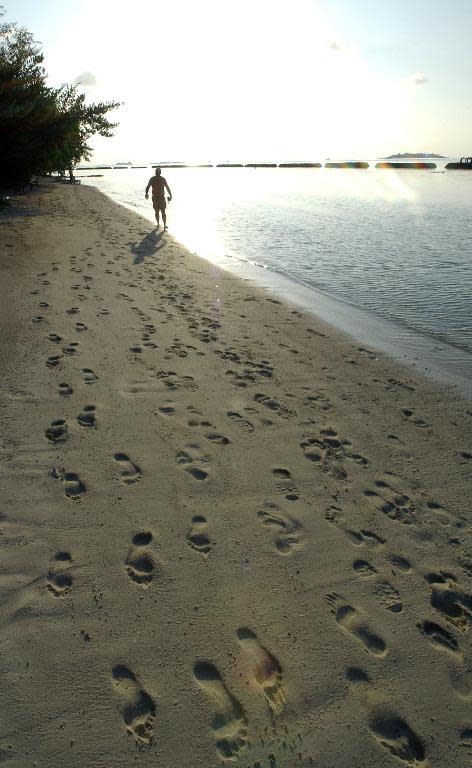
230 534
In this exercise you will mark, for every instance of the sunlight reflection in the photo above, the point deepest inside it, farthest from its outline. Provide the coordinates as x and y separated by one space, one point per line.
393 186
371 184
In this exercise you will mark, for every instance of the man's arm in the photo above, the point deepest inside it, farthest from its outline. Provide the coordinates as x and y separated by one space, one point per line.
168 189
148 186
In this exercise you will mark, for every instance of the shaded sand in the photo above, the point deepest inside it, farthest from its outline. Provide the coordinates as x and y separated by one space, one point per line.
229 534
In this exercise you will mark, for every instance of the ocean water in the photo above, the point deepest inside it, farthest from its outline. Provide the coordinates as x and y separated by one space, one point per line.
387 249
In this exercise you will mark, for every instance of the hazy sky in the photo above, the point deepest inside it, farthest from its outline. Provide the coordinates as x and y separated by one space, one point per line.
265 79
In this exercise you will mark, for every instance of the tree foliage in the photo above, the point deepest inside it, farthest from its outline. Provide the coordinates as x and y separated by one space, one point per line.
42 129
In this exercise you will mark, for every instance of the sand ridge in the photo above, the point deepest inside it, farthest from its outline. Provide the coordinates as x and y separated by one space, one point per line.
230 535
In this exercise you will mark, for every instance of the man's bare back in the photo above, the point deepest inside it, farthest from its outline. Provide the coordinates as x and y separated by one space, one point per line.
158 185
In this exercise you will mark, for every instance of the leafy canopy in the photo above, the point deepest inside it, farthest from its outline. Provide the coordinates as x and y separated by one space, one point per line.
42 129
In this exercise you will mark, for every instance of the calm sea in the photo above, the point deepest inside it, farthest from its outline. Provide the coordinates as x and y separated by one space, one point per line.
385 255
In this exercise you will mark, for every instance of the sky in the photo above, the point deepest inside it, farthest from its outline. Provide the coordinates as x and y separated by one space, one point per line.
264 79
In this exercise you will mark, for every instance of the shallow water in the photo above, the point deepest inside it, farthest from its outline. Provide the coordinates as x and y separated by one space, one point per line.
395 244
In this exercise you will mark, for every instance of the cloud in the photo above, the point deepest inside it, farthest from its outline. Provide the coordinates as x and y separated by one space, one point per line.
419 78
86 78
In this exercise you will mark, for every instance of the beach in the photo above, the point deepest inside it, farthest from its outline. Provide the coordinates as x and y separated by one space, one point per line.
230 534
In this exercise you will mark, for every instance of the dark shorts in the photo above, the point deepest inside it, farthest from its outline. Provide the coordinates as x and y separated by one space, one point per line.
159 203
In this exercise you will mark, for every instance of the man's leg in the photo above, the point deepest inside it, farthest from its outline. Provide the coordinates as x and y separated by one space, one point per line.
164 219
156 213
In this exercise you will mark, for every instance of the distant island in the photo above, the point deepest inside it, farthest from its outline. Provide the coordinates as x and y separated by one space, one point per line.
412 155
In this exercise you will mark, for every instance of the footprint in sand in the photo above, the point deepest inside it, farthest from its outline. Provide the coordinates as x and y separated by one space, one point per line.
65 390
240 379
273 405
284 483
409 415
288 531
79 327
59 580
53 361
328 448
173 382
384 592
386 726
364 569
228 354
87 418
247 426
187 457
400 562
57 431
54 338
440 638
465 743
130 472
229 722
351 622
139 565
73 486
395 735
319 400
266 669
70 349
364 536
139 709
197 536
460 677
450 599
394 504
388 596
166 410
89 376
217 439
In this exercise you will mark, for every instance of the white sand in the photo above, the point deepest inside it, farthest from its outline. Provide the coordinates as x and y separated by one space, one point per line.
248 540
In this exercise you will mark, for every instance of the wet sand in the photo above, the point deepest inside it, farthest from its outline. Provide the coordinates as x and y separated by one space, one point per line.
229 533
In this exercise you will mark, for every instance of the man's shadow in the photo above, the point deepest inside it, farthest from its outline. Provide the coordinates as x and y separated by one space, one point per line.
148 246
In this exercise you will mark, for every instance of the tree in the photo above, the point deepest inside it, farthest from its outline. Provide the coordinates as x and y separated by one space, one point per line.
42 129
76 123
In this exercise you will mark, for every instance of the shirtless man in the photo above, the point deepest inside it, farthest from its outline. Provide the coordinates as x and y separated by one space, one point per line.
159 185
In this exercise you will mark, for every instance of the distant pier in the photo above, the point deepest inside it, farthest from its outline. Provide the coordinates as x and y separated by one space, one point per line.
348 164
419 165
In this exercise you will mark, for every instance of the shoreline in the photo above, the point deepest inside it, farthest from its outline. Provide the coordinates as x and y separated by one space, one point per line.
430 354
229 531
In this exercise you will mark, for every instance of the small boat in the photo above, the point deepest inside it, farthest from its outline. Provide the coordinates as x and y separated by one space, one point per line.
465 164
229 165
261 165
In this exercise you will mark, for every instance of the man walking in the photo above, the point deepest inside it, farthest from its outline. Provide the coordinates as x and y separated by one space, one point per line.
159 185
